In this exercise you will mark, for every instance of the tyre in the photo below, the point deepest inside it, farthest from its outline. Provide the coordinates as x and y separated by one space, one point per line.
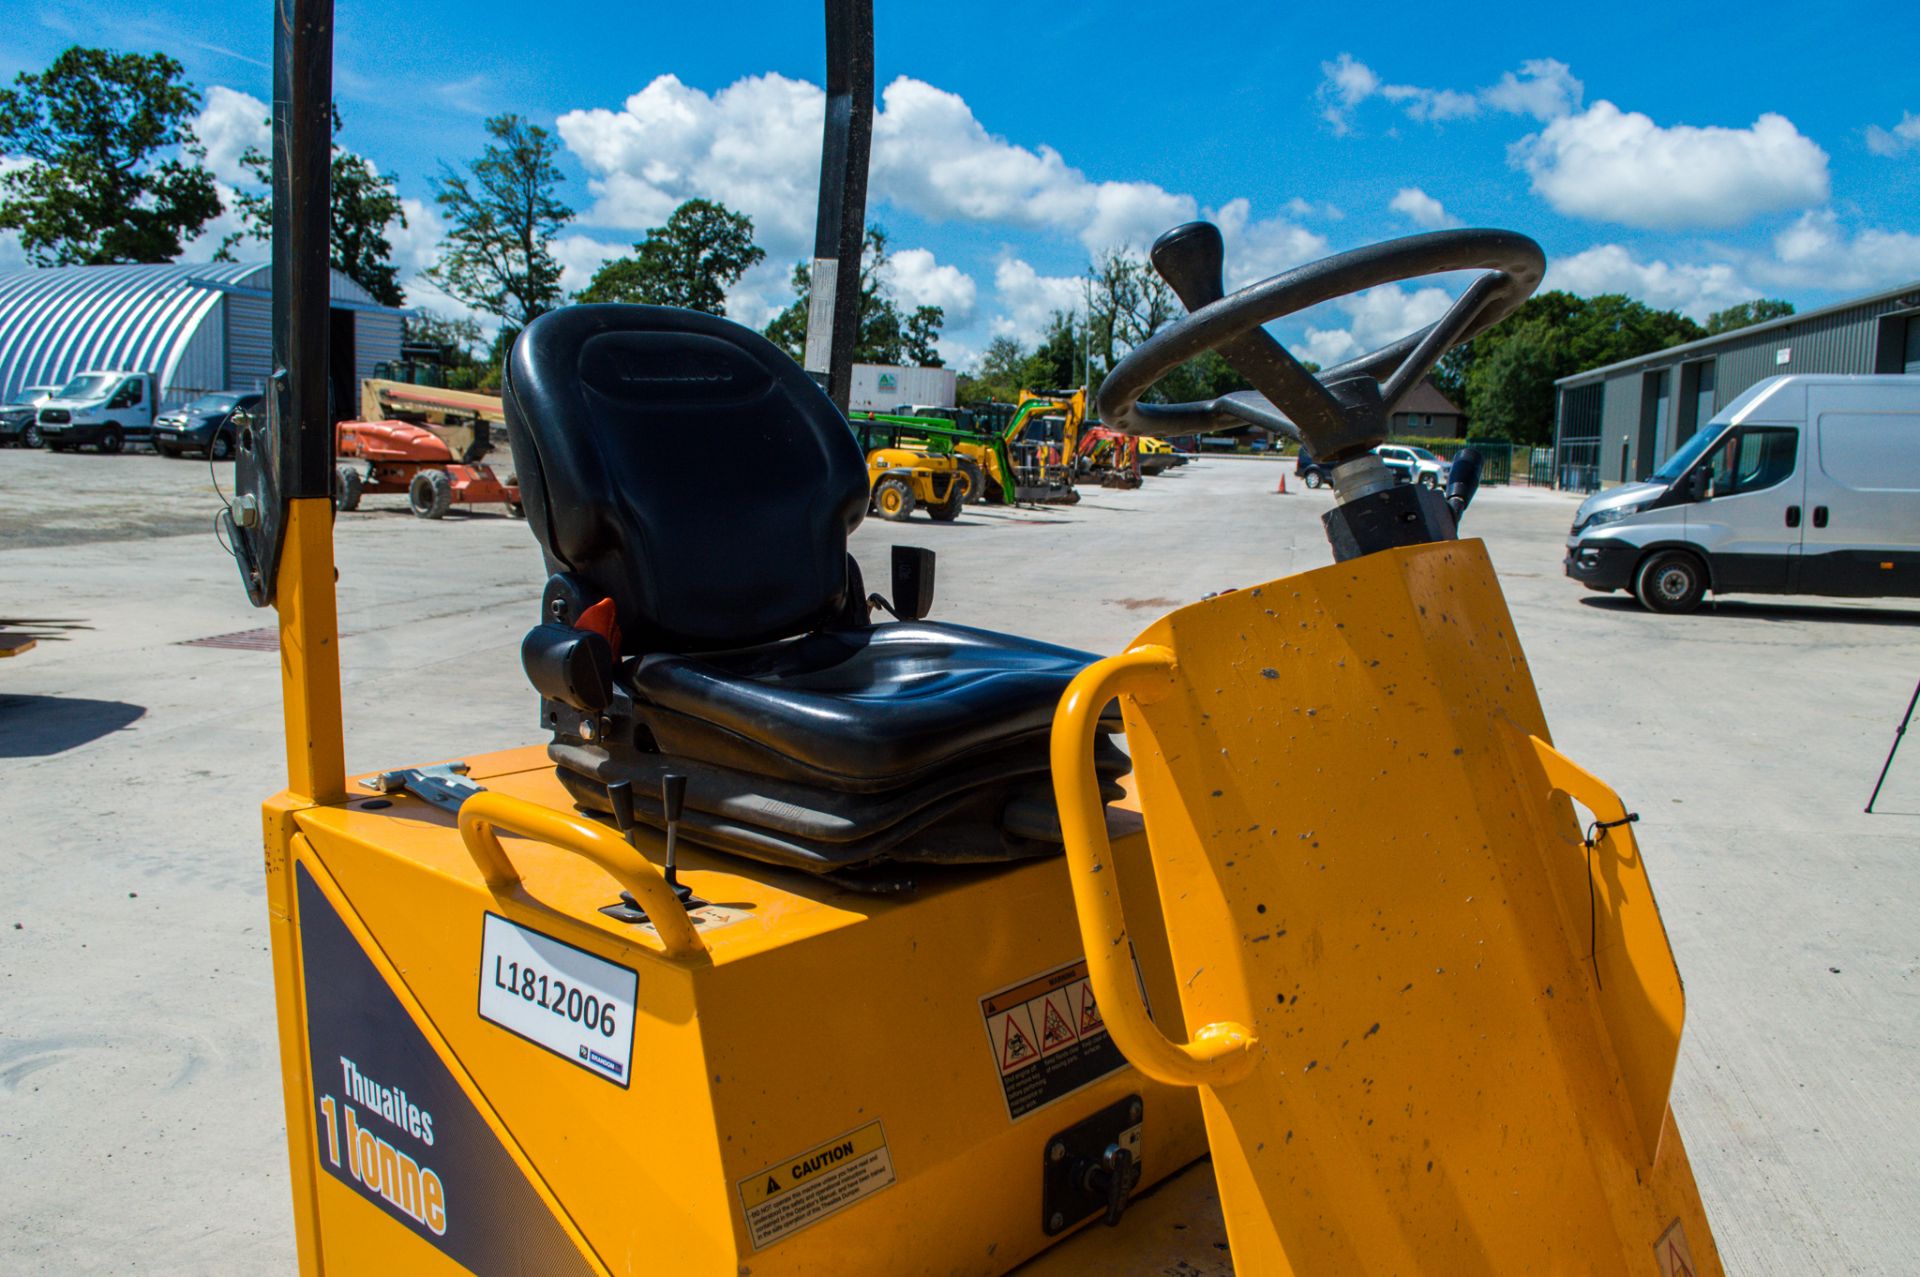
1428 479
163 450
976 479
221 449
347 485
111 440
893 498
30 437
1671 582
430 495
957 493
516 510
1314 480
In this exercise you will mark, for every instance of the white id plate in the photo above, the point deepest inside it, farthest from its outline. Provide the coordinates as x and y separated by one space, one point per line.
574 1004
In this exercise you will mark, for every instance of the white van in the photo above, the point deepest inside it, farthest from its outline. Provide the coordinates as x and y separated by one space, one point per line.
106 410
1805 484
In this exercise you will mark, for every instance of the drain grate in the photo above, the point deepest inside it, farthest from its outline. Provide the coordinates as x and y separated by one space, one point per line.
267 640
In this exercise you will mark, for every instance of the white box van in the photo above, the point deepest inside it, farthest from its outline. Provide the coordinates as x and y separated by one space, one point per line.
107 410
1805 484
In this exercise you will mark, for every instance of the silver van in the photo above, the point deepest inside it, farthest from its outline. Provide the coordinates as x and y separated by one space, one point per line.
1805 484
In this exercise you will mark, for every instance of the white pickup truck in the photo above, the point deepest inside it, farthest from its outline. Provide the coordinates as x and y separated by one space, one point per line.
104 410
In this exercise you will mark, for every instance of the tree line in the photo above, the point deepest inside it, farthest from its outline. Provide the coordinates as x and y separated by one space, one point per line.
115 173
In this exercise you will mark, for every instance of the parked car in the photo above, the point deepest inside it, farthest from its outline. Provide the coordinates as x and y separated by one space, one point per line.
107 410
1413 465
1311 472
206 425
17 425
1804 484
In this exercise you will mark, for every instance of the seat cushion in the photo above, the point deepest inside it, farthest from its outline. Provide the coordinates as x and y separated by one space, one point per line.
871 703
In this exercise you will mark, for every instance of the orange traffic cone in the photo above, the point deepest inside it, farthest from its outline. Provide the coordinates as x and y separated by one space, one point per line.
1282 489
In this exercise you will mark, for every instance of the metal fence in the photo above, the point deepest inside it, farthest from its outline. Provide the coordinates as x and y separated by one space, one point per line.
1576 467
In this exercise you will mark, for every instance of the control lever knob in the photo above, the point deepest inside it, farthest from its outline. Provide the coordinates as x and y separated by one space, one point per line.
673 795
1192 258
620 794
1463 480
1114 1175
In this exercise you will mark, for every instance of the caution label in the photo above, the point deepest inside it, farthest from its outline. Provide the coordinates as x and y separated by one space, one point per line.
808 1187
1674 1255
1048 1038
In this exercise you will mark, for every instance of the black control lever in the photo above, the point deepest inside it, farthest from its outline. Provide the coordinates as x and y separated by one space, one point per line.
1463 480
673 799
1113 1177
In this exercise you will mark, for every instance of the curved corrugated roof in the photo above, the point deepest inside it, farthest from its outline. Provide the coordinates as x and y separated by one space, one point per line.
65 320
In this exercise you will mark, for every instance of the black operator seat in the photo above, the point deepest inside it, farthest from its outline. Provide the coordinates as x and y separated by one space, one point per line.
684 468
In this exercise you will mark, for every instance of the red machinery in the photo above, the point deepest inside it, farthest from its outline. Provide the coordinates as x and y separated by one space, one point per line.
396 456
1109 457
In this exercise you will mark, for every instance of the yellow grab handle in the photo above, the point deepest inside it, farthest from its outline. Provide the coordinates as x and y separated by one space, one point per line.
482 815
1220 1053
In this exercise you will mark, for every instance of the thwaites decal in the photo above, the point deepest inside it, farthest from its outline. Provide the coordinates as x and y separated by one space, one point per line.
396 1128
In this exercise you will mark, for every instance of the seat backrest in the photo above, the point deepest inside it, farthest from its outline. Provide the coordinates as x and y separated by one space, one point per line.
687 468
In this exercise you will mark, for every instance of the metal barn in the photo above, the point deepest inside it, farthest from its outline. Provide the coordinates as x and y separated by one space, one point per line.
199 327
1615 424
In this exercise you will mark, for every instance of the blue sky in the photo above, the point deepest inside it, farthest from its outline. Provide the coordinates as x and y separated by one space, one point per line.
1690 158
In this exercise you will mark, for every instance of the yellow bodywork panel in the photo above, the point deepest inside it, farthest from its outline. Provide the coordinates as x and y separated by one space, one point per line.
812 1084
1410 1055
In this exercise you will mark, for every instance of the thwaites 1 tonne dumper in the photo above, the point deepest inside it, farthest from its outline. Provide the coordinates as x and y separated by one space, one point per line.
807 944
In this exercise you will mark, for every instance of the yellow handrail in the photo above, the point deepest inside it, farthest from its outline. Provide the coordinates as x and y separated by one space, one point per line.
1220 1053
484 814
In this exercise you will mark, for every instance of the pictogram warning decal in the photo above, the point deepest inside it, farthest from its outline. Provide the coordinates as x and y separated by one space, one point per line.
1048 1038
804 1189
1672 1253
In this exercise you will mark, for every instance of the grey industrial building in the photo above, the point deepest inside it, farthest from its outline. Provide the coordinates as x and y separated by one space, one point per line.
197 327
1617 423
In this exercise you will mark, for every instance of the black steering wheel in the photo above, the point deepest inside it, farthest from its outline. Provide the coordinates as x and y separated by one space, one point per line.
1342 411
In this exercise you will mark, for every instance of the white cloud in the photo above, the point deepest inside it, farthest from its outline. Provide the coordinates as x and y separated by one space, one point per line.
918 280
1421 209
1901 137
1375 318
1619 166
227 125
1029 299
1544 88
1693 290
754 145
1817 252
1259 247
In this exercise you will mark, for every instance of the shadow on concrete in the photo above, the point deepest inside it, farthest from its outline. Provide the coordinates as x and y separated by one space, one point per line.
39 726
1767 611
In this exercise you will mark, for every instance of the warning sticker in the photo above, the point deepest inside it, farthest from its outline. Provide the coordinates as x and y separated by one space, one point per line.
1673 1254
810 1186
1048 1038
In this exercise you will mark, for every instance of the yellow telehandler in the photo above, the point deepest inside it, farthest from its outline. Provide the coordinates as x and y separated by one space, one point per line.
810 944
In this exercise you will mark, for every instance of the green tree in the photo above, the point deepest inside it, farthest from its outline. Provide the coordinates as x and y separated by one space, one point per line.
94 125
691 262
1504 377
886 334
365 203
503 214
1757 311
1128 303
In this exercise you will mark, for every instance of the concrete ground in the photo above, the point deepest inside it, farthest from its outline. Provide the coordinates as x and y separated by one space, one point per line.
140 1117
